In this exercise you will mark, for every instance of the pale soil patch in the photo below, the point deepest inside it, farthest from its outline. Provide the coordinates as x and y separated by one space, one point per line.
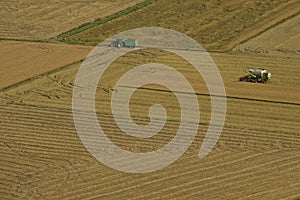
23 60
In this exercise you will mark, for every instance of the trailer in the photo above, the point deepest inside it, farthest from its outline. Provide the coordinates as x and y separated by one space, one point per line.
130 43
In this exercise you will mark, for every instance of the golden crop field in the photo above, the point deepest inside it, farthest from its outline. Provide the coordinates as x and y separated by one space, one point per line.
284 39
22 60
256 157
217 25
249 134
44 19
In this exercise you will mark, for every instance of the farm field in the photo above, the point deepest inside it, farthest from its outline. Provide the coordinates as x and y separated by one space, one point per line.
38 20
257 155
284 81
22 60
56 166
284 39
217 25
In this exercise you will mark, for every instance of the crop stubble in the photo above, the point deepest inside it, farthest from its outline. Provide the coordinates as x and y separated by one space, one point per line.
256 155
217 25
23 60
38 20
283 39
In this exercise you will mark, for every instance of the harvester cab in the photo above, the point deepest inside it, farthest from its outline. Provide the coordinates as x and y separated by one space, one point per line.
256 76
118 43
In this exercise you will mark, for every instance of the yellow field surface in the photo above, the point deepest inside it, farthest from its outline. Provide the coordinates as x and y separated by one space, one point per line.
42 157
217 25
256 157
284 39
283 82
45 19
22 60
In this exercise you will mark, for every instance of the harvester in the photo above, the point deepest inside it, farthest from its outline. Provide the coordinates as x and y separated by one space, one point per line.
124 43
256 76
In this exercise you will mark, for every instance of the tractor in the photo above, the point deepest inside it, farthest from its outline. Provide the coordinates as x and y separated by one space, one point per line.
124 43
256 76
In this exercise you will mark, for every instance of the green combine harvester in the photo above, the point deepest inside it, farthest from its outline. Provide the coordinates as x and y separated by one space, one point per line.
256 76
124 43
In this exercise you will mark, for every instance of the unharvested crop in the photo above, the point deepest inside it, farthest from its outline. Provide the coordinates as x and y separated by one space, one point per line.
256 157
217 25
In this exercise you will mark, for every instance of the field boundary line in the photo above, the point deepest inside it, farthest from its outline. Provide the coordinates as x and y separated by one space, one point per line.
264 30
63 37
47 41
29 40
28 80
228 97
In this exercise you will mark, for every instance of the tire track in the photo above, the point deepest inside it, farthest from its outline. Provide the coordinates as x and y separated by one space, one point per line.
144 185
30 120
209 95
228 179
